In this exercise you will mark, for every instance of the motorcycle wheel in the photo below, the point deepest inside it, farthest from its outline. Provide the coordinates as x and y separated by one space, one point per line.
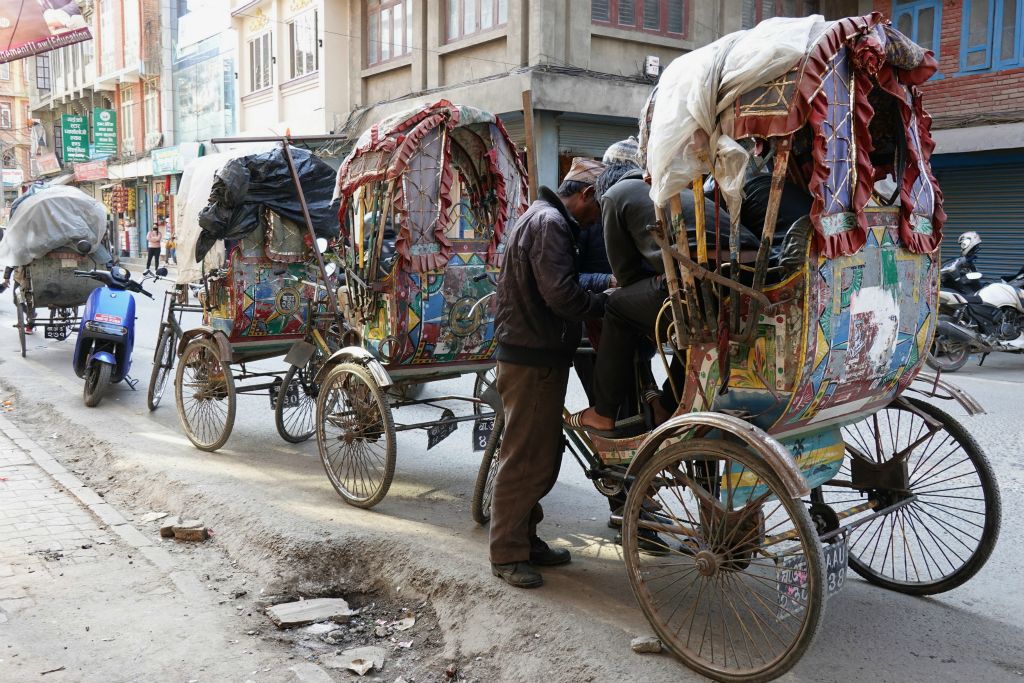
946 355
97 379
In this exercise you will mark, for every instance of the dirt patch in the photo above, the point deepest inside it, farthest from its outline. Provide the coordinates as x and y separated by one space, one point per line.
251 567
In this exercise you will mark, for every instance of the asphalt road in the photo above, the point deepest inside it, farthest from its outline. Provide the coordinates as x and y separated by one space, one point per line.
974 632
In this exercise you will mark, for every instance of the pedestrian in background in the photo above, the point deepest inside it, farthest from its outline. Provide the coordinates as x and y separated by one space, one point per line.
153 239
171 248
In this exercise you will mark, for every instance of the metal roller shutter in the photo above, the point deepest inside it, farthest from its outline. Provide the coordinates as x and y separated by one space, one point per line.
516 130
590 139
990 201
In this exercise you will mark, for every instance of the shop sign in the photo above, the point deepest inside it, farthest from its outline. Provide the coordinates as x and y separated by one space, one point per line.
104 131
13 177
31 28
93 170
46 164
74 132
166 161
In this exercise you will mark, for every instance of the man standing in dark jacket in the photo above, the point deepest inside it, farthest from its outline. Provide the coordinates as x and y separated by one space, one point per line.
540 306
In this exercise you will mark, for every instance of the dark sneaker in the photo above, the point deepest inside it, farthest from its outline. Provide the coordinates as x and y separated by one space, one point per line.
647 542
518 574
543 555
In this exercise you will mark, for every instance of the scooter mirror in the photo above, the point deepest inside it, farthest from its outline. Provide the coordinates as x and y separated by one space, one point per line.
161 272
331 269
321 244
973 276
83 246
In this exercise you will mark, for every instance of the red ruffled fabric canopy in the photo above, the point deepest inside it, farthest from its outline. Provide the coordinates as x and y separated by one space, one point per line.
384 154
863 38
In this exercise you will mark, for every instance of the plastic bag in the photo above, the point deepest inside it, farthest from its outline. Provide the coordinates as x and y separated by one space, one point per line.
245 186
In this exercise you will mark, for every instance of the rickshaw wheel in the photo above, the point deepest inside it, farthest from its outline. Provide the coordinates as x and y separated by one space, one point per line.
739 592
163 364
205 394
483 490
355 434
297 423
483 381
942 538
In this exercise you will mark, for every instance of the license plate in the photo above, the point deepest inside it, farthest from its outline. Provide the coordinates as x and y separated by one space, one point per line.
439 432
482 429
107 318
791 573
291 397
58 332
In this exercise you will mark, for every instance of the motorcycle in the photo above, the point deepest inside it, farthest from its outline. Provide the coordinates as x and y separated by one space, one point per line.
106 335
976 315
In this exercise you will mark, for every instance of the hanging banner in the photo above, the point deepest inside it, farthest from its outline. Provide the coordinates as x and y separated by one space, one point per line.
31 27
104 131
74 131
45 164
93 170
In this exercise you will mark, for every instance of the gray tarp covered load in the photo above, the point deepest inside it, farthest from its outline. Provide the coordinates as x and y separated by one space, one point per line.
192 197
52 218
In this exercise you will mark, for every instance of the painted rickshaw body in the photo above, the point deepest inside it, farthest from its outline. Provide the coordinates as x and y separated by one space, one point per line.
796 450
426 198
269 298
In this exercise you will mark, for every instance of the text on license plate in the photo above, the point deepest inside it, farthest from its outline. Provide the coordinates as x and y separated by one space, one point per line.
791 573
107 318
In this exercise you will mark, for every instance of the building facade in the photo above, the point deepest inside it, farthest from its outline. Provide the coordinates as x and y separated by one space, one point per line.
115 90
15 125
316 66
976 101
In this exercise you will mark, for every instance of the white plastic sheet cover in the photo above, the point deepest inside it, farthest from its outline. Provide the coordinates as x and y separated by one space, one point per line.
687 137
192 197
52 218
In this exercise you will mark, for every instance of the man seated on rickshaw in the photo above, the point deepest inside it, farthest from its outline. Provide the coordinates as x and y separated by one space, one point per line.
632 311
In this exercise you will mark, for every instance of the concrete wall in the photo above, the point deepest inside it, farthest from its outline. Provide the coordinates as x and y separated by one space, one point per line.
299 104
459 64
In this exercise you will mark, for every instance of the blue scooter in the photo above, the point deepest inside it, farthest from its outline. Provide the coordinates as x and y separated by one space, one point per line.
103 352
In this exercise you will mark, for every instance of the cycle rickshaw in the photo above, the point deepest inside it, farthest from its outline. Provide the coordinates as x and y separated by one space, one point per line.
796 451
271 297
426 197
42 242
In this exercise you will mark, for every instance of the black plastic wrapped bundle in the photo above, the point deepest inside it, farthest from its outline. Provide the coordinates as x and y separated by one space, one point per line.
247 185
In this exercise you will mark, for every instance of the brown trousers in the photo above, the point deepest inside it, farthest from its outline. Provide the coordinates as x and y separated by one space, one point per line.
531 455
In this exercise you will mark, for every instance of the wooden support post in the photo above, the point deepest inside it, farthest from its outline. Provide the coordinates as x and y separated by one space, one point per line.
782 146
706 288
531 144
661 235
694 320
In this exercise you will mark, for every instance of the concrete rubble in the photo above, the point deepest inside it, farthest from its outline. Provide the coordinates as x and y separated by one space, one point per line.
291 614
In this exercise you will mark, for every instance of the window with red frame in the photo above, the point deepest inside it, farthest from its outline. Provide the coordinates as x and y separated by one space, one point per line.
388 30
467 17
756 11
663 17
